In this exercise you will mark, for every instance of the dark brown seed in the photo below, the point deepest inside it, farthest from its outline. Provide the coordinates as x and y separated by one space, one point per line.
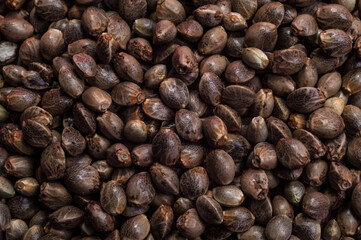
229 116
127 94
141 49
144 27
306 99
126 9
261 35
277 130
336 148
52 44
210 88
255 183
56 102
314 146
36 134
171 10
351 116
209 210
347 220
188 125
72 141
67 217
280 206
228 196
306 228
162 221
166 147
165 179
136 227
54 195
82 179
261 210
209 15
353 152
280 85
70 83
315 205
315 173
85 65
272 12
220 167
244 95
237 147
97 218
335 42
174 93
20 99
52 161
279 227
238 219
325 123
94 21
181 205
118 155
339 176
356 194
255 232
135 131
330 83
190 225
236 73
292 153
287 61
22 207
194 183
33 80
140 190
213 41
106 47
34 232
16 229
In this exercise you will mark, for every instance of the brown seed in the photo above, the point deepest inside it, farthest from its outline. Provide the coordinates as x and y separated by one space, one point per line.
171 10
280 85
52 161
334 16
188 125
174 93
353 152
36 134
215 131
255 183
272 12
315 205
209 210
304 25
106 47
72 141
70 83
335 42
244 95
128 67
67 217
15 30
229 116
238 219
220 167
287 61
161 221
194 183
264 156
246 8
127 94
351 116
190 30
292 153
118 155
313 144
156 109
56 102
141 49
191 155
210 88
126 9
255 232
164 32
94 21
34 232
236 73
111 125
280 206
20 99
22 207
97 218
279 227
325 123
262 35
165 179
16 229
336 147
306 228
54 195
183 60
339 176
140 196
213 41
144 27
277 130
120 31
347 220
315 173
228 196
82 179
209 15
136 227
166 147
189 224
261 210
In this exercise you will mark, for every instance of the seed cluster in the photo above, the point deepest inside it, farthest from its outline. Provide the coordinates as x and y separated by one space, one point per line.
180 119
